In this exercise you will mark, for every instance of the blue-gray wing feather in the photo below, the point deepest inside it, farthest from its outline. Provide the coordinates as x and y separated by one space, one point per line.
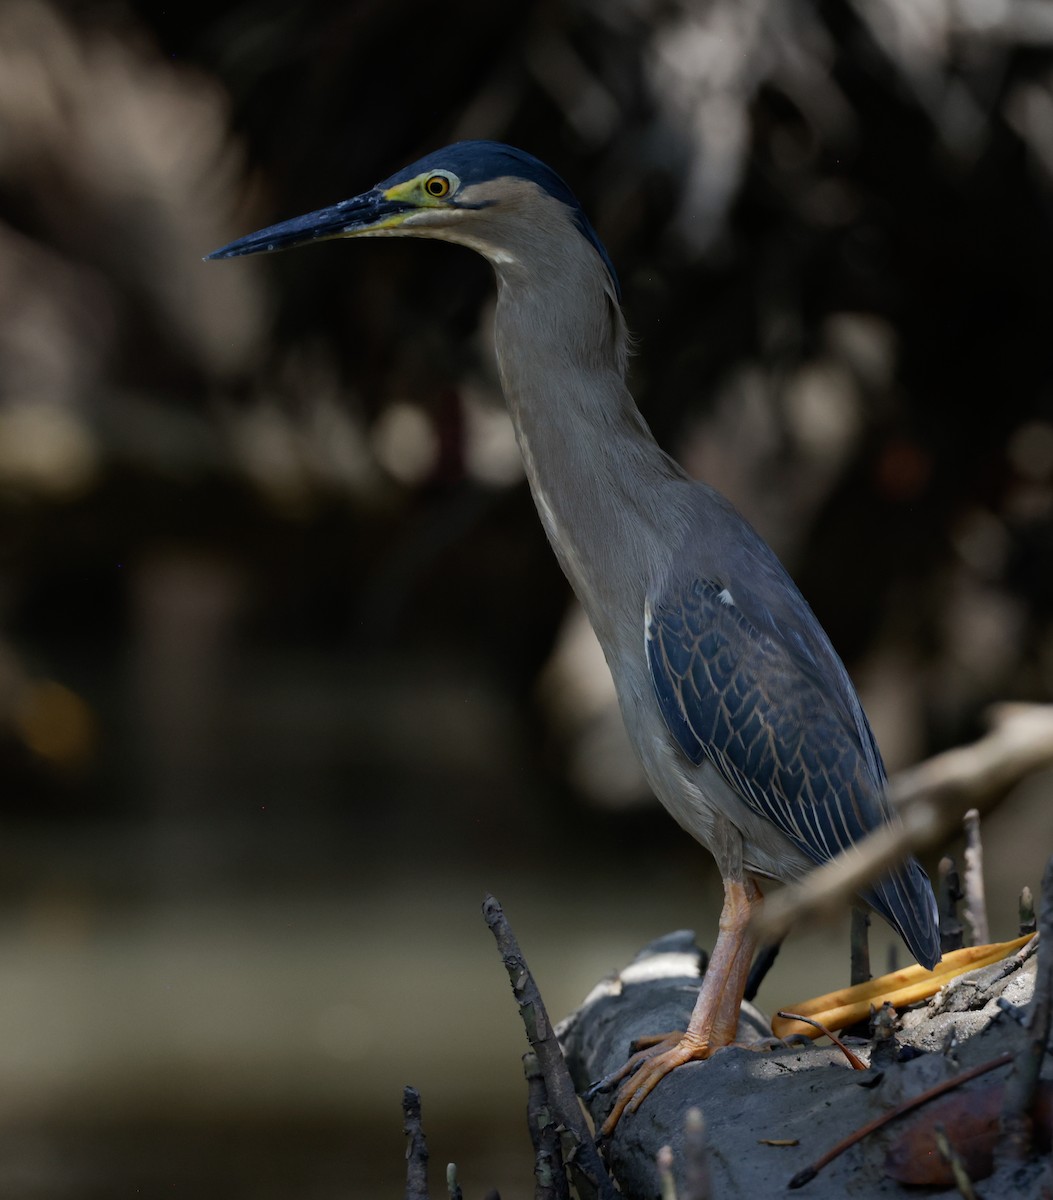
738 697
769 704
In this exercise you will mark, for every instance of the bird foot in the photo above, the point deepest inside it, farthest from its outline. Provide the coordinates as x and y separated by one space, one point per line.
635 1058
714 1017
654 1059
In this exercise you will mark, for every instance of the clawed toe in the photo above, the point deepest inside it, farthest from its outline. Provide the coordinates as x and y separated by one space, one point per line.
645 1070
637 1056
599 1086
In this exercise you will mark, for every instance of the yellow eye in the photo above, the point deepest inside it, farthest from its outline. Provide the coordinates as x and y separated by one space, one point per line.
437 186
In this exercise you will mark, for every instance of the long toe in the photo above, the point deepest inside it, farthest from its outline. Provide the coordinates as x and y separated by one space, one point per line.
639 1051
645 1071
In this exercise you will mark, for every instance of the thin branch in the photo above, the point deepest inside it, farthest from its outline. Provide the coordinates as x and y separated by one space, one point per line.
948 893
954 1160
859 957
417 1147
1028 923
1019 743
583 1159
664 1163
854 1061
697 1184
550 1176
884 1043
975 897
931 799
1022 1085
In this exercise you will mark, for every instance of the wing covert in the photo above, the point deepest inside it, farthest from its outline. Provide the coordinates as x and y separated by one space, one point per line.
754 704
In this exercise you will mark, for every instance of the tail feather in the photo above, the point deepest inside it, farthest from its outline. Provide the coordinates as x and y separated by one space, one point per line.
904 897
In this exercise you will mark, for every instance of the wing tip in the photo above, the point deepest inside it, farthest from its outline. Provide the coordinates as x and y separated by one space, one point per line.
906 899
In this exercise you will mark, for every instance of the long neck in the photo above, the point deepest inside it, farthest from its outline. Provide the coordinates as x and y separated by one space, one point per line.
601 484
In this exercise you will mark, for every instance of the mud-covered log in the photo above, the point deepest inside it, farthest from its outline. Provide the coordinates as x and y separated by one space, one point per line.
770 1114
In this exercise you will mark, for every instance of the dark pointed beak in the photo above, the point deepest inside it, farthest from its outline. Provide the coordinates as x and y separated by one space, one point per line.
371 212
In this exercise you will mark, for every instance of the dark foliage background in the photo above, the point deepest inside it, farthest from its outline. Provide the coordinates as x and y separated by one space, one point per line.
288 675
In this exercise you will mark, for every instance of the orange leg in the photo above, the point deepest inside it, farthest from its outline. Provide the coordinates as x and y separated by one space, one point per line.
716 1013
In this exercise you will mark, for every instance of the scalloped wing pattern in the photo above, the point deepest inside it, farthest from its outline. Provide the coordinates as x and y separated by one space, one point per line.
753 703
745 701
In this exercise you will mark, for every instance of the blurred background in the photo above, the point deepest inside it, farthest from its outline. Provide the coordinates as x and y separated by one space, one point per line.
288 675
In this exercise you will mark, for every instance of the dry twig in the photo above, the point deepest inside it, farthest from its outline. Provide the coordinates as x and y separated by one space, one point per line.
664 1163
885 1045
859 942
975 897
1022 1085
953 1159
854 1061
582 1158
550 1176
1028 924
416 1148
948 893
696 1157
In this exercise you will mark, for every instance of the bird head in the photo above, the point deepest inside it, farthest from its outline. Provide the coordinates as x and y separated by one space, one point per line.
485 195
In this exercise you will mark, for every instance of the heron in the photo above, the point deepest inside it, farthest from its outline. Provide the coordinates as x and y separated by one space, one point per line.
744 718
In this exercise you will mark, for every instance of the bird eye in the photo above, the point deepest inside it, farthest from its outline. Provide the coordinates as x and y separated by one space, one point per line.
437 186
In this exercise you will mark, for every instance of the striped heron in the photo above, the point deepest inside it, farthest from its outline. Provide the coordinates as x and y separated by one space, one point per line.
743 716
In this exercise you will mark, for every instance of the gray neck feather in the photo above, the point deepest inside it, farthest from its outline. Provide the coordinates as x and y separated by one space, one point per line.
606 492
